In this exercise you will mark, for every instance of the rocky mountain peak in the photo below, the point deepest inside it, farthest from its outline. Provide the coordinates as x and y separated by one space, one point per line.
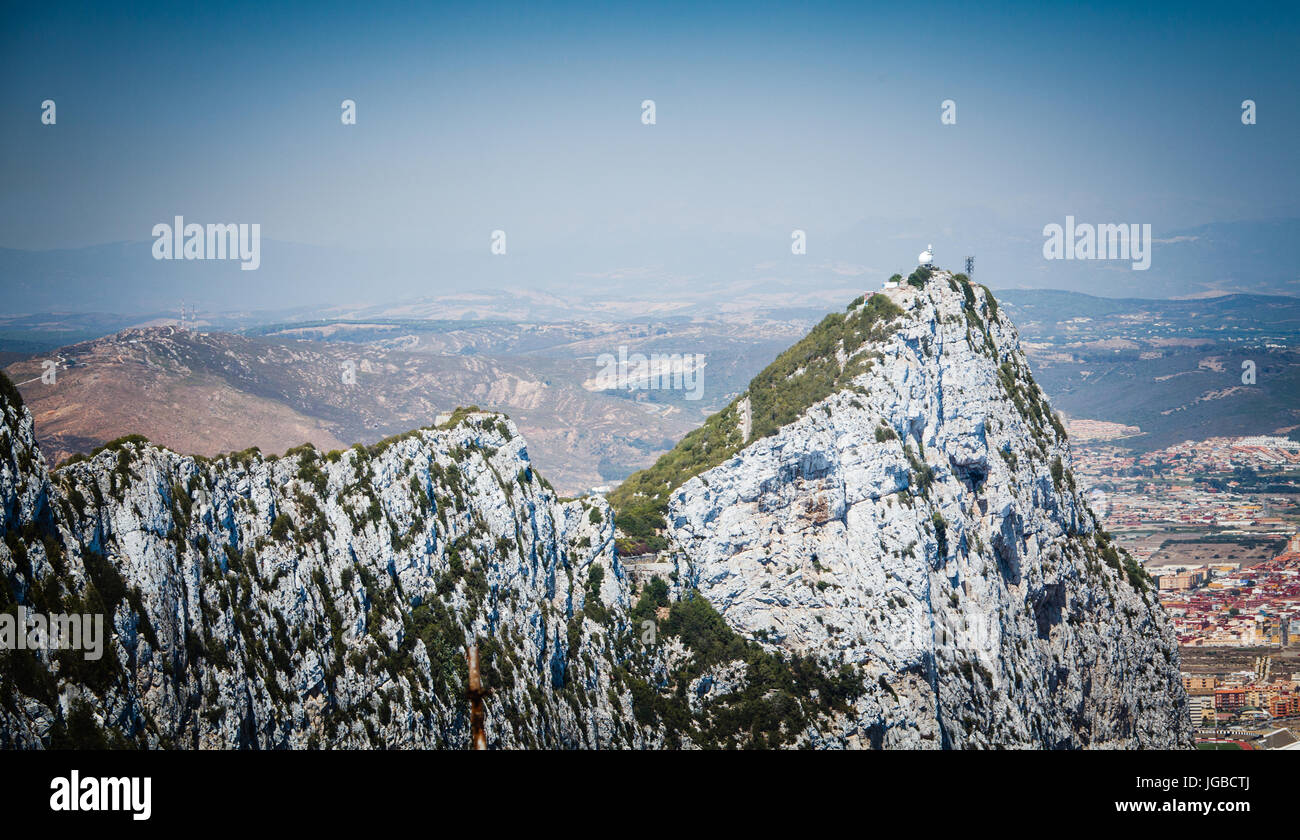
879 544
905 505
315 599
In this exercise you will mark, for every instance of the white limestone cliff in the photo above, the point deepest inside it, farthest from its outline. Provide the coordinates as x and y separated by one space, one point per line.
906 562
923 524
312 601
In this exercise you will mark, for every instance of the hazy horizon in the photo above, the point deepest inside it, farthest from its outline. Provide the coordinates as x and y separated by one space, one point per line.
769 120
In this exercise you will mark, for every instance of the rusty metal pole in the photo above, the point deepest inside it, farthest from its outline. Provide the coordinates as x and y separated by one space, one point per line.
476 693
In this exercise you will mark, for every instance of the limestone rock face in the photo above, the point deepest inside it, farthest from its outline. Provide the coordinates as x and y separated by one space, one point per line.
924 525
311 600
906 562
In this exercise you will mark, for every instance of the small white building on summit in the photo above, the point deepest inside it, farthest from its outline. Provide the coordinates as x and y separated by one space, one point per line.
924 260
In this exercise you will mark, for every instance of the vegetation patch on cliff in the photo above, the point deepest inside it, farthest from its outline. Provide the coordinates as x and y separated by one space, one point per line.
776 700
821 363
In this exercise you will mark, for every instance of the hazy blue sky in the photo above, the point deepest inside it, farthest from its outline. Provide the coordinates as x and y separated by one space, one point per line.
527 118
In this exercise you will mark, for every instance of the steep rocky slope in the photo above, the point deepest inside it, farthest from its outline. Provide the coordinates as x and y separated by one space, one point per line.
325 600
879 544
912 514
309 600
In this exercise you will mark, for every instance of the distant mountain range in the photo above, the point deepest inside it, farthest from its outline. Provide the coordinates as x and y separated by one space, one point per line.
1049 312
562 279
1177 369
1173 368
206 392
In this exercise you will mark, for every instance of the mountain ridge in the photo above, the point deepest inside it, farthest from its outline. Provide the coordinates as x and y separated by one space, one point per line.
924 520
321 600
